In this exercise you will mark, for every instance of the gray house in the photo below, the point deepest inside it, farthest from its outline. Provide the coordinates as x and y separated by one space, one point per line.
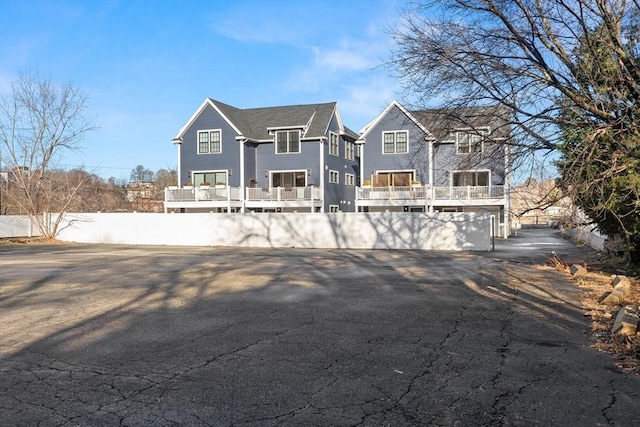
297 158
436 160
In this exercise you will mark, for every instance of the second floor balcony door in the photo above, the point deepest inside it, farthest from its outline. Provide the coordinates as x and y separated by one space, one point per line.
392 179
289 179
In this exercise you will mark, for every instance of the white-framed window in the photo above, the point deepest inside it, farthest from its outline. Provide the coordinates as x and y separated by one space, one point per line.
349 149
210 177
468 142
288 142
334 177
210 141
334 208
334 144
289 179
349 179
470 178
395 142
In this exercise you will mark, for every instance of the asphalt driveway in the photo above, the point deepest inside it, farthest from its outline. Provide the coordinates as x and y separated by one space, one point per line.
132 335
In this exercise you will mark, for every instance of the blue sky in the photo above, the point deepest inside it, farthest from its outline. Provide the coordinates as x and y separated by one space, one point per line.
148 65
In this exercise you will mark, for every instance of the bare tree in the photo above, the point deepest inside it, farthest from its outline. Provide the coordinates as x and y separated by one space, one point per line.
39 121
567 70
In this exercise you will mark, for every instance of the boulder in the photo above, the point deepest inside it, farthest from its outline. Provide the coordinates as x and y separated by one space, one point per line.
578 270
626 322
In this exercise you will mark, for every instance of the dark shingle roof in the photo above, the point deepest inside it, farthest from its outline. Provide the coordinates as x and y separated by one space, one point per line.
254 123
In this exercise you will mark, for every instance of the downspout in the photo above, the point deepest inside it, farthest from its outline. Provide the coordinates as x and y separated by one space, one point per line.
432 172
360 146
322 172
242 183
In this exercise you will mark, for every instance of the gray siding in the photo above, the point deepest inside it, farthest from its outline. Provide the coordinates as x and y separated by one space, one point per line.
339 194
418 152
229 158
447 160
268 160
250 170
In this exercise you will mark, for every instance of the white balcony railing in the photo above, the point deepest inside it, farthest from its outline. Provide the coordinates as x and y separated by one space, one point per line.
468 192
201 194
284 194
432 193
392 193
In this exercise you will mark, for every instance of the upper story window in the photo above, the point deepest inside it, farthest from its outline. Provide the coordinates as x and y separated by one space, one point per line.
333 144
209 141
349 149
468 142
349 179
334 177
288 142
395 142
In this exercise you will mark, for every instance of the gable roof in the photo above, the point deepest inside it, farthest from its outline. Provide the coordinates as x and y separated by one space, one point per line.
444 121
394 104
257 124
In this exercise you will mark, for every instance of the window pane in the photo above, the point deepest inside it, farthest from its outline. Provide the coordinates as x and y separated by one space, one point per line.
483 179
275 180
463 142
282 142
294 142
203 142
401 143
220 178
215 141
301 179
388 143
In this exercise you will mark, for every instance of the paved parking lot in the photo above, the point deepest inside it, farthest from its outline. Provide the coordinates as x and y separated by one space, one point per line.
123 335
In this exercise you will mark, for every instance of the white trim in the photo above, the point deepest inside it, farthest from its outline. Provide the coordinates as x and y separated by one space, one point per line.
242 183
207 102
481 131
205 171
337 152
336 174
395 141
353 150
470 170
198 132
346 179
372 124
321 171
287 131
272 171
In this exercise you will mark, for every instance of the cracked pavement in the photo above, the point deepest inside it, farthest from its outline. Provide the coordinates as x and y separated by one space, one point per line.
133 335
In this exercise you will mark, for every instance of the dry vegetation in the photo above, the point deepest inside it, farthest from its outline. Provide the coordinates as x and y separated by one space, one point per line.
625 350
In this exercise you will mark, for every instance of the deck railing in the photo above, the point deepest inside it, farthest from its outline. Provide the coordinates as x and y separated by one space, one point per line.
468 192
432 193
392 193
284 193
196 194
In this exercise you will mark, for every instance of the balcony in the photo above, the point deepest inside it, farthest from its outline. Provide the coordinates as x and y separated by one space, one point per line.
284 198
284 194
230 198
223 197
427 195
469 193
392 193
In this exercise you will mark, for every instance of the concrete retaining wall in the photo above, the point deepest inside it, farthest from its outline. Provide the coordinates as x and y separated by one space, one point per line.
426 231
588 235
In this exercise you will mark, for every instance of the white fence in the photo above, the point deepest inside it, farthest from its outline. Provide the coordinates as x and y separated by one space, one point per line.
17 226
388 230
